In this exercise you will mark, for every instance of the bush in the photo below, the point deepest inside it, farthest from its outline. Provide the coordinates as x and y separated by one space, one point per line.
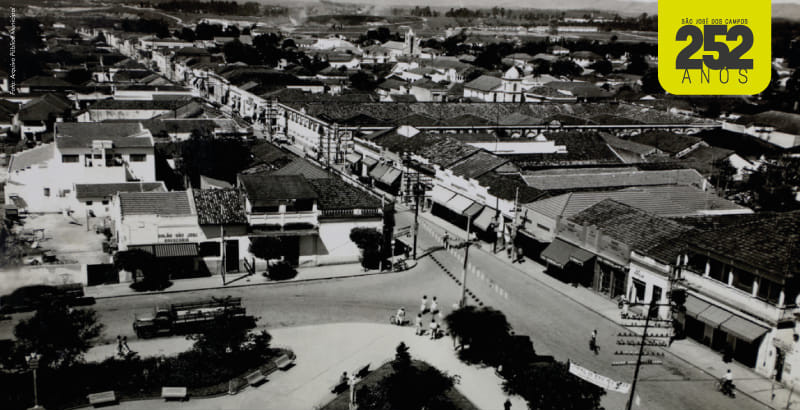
281 270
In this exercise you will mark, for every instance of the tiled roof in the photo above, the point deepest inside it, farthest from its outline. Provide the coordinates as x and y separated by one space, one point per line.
770 243
438 149
155 203
337 194
301 166
171 104
507 186
666 201
42 108
477 164
466 119
626 145
45 81
484 83
81 135
665 141
265 189
266 153
219 206
703 158
746 146
598 179
608 119
640 230
33 156
86 191
782 121
583 148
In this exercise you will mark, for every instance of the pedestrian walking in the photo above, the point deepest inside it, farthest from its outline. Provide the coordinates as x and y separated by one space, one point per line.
423 307
125 344
434 328
119 345
418 324
507 404
593 342
446 240
434 306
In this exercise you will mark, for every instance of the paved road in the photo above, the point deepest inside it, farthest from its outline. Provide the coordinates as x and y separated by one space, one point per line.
561 327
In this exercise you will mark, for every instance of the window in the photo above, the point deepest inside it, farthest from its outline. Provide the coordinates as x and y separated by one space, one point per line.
47 192
743 280
89 203
69 158
105 202
209 249
639 288
98 156
717 271
768 290
138 157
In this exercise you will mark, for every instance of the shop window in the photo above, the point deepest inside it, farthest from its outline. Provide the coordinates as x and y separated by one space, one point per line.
47 192
138 157
89 203
639 289
105 202
69 158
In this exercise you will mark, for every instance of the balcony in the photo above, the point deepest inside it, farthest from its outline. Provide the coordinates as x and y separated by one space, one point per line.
283 218
740 300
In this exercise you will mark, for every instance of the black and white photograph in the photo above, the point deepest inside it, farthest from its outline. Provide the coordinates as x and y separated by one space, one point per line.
400 205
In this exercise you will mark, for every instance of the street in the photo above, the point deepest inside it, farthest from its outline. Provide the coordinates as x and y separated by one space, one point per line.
557 325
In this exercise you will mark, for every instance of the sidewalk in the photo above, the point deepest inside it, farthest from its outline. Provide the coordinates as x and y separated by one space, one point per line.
233 280
747 381
323 353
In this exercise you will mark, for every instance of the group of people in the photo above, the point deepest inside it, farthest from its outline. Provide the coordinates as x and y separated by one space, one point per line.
122 346
434 325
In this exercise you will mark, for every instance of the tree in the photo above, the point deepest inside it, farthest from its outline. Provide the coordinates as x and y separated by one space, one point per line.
78 76
268 248
602 67
565 67
551 386
637 65
723 174
228 334
60 334
480 331
368 240
410 386
363 82
148 274
650 83
215 158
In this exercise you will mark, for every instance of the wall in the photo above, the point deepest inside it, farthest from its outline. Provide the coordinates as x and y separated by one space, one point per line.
652 273
150 229
98 115
334 244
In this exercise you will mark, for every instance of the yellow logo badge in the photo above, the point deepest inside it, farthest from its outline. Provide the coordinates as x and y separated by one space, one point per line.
714 47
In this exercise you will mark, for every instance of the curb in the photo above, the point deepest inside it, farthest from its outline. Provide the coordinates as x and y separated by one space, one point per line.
591 309
288 282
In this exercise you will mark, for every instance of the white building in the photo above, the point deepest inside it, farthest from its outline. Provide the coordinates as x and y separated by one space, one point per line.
42 179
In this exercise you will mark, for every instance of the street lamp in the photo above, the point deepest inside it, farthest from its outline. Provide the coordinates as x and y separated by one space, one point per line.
33 363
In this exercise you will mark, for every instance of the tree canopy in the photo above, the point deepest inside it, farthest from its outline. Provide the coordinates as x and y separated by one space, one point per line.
480 331
60 334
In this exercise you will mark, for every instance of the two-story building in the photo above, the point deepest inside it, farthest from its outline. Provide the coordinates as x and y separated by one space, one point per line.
742 282
43 178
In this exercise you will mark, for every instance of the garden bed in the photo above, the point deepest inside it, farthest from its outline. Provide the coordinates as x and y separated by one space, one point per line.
342 401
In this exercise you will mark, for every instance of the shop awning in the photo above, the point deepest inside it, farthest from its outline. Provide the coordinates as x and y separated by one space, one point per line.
694 306
580 256
391 176
441 195
714 316
459 204
168 250
484 218
473 210
559 253
378 171
353 157
369 162
743 328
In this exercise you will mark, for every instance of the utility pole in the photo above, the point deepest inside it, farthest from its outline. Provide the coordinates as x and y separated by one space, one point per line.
417 198
222 253
639 357
466 244
514 227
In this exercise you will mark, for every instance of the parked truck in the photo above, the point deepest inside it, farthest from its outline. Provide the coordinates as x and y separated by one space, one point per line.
192 317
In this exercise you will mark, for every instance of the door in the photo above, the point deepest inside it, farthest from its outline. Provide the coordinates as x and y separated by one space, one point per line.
779 358
232 255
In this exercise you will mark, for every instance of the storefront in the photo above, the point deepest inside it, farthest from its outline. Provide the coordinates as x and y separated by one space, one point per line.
568 262
719 329
179 260
455 208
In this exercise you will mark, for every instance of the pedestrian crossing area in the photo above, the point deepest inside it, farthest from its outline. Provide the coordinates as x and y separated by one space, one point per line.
459 255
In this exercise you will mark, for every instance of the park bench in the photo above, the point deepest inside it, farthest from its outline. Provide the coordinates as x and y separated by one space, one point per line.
255 378
106 397
283 362
173 393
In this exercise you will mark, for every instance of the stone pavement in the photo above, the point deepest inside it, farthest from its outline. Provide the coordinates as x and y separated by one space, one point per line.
233 280
323 353
748 382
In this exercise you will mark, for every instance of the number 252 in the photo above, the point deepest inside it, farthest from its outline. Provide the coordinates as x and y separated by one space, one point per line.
731 59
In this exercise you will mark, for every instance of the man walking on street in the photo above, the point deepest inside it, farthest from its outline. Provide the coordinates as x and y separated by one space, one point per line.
434 328
423 307
119 345
507 405
593 342
418 324
434 306
125 344
446 240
